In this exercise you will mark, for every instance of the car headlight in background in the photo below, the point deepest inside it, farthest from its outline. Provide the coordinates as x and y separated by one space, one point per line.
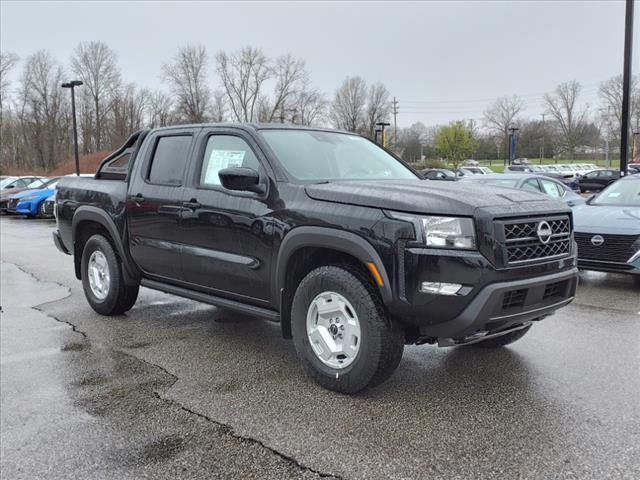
441 232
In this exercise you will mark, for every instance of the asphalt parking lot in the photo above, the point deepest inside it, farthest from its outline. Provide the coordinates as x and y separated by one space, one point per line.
179 389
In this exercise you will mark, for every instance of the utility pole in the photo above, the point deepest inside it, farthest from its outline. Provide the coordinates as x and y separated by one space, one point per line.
626 86
395 121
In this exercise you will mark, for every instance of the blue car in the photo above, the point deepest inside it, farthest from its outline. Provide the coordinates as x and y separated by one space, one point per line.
28 202
607 229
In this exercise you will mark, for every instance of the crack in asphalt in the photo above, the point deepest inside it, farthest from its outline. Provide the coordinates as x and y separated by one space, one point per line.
226 429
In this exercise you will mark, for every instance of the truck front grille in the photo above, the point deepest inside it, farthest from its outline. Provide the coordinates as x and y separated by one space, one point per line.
536 239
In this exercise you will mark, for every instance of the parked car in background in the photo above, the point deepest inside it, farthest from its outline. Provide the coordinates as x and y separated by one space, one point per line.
518 169
597 180
476 170
13 183
533 182
470 162
47 209
439 174
28 201
521 161
6 194
607 229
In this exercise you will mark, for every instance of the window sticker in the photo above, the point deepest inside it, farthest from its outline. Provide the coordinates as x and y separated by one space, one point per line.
220 159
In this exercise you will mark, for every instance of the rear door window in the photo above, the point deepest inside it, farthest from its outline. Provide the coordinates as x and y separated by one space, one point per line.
169 160
531 184
551 188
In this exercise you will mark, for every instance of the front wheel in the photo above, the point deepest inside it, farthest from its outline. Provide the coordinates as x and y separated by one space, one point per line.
341 331
102 280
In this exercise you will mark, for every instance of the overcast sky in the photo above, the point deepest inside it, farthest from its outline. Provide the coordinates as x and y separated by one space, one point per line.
442 60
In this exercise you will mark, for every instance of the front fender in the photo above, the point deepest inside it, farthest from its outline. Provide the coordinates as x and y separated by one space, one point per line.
331 238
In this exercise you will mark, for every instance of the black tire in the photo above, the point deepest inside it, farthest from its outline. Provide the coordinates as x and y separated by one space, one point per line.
120 297
582 190
502 340
381 344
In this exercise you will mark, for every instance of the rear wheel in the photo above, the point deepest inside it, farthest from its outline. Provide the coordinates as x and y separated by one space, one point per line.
502 340
102 279
341 331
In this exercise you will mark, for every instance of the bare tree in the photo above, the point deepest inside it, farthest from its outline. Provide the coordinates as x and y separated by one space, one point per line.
159 108
219 106
572 120
348 109
43 113
378 107
501 114
129 106
187 76
95 64
309 106
610 93
290 75
7 61
243 75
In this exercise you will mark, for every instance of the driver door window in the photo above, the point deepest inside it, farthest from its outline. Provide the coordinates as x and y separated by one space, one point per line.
225 151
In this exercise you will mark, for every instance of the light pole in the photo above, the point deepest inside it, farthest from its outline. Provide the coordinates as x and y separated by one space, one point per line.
543 139
626 86
382 125
71 85
512 143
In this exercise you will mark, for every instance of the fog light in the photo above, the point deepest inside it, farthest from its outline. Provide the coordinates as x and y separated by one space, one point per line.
439 288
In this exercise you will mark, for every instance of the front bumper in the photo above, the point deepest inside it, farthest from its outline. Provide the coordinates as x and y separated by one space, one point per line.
632 268
501 305
493 298
28 208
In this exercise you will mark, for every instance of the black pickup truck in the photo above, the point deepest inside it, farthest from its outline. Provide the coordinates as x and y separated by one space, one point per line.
325 232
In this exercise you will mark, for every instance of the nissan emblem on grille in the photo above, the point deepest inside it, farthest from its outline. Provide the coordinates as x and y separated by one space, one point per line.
597 240
544 232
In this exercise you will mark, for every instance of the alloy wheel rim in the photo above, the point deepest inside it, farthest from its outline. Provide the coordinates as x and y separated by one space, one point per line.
333 330
98 273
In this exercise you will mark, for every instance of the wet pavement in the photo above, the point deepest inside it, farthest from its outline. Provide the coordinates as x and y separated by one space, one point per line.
179 389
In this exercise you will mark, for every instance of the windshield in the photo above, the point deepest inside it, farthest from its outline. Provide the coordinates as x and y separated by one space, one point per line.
622 192
323 156
35 183
51 183
6 181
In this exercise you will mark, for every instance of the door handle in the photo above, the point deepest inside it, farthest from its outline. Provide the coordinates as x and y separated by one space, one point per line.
138 199
192 204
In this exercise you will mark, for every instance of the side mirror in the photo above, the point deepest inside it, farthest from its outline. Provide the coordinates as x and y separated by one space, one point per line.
240 179
10 186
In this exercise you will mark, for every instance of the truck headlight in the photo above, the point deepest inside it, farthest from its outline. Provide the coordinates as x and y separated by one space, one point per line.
449 232
441 232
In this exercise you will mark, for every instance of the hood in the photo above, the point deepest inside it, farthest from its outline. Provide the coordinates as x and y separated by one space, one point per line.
36 192
11 192
439 198
607 219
